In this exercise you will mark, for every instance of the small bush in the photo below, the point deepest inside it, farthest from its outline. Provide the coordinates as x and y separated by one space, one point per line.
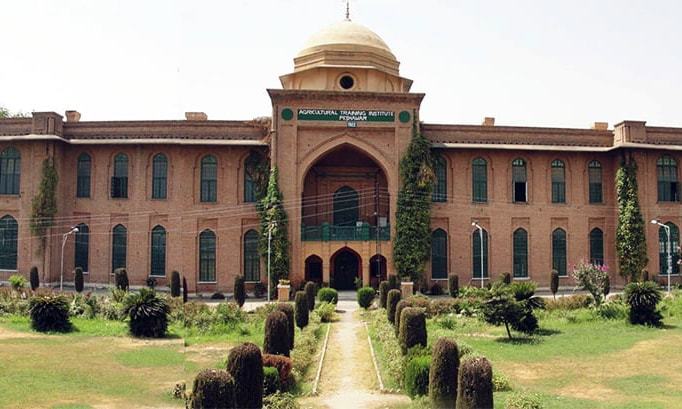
443 373
283 365
384 287
613 310
270 380
175 284
392 300
568 303
185 290
121 279
310 294
217 296
288 310
280 401
18 282
245 364
412 328
239 290
443 306
328 295
326 312
453 285
519 400
412 301
417 376
49 313
78 280
33 278
302 311
643 299
148 313
393 282
213 389
500 383
365 297
436 289
475 384
554 282
276 339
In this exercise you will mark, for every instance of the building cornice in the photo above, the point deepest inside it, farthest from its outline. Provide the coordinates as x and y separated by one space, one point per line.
281 95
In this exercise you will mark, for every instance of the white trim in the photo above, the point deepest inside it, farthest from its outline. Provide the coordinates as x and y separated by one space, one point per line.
252 282
454 145
9 271
207 282
439 279
164 141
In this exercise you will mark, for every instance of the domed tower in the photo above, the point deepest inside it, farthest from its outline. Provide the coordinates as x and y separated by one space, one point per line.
346 56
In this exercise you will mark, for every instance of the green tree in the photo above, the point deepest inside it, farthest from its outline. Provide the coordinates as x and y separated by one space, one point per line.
630 237
44 205
273 216
412 246
6 113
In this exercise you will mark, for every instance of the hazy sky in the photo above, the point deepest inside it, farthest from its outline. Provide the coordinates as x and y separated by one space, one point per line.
553 63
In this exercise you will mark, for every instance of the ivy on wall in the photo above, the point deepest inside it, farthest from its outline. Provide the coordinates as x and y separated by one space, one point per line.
630 237
44 204
272 216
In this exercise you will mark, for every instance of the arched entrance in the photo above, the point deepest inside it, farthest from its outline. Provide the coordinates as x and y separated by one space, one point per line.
377 270
313 269
346 267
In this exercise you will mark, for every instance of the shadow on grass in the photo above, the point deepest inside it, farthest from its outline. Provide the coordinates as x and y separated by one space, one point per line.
547 332
519 340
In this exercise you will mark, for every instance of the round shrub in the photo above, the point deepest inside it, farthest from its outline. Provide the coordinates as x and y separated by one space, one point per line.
283 366
383 293
393 282
245 364
49 313
33 278
392 300
148 313
443 373
239 290
270 380
412 328
175 284
453 285
326 312
310 293
78 280
643 297
329 295
519 400
417 376
365 297
276 339
121 279
213 389
288 310
475 384
302 311
185 290
554 282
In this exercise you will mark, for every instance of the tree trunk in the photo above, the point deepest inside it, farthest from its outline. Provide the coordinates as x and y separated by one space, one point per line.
506 325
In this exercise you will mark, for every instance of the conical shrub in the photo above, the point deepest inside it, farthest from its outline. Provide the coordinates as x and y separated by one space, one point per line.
288 310
302 312
78 280
276 339
245 364
475 384
453 285
34 278
412 328
175 284
213 389
392 300
383 293
239 290
185 290
443 373
310 293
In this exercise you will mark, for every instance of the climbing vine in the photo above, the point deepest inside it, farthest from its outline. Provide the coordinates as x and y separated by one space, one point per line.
630 237
272 216
44 205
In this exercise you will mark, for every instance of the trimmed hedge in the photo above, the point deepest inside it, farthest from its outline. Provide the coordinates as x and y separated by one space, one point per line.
302 311
393 282
239 290
391 302
49 313
384 287
475 384
34 279
78 280
175 284
283 365
276 340
121 279
270 380
310 294
288 310
412 328
443 373
554 282
214 389
245 364
412 301
453 285
402 304
329 295
417 376
365 297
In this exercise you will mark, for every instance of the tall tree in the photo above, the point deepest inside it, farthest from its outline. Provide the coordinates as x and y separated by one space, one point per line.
412 246
630 237
273 216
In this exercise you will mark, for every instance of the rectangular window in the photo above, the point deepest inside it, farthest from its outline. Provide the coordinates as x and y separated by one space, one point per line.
480 181
520 254
596 195
83 178
207 258
477 254
520 192
159 180
119 187
158 265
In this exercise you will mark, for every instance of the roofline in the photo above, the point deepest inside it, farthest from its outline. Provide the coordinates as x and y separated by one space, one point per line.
135 141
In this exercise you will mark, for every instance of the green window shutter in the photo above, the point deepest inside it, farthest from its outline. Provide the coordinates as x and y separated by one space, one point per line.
119 181
10 172
663 249
476 251
520 246
597 246
594 171
159 176
479 176
439 254
82 247
250 168
83 171
666 169
558 182
251 256
559 252
119 247
158 250
440 187
519 181
9 234
207 256
209 179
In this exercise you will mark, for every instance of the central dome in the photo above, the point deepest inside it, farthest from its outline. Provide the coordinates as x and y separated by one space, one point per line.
346 36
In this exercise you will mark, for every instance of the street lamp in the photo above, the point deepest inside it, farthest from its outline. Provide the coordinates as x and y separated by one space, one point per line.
480 232
272 225
668 249
65 236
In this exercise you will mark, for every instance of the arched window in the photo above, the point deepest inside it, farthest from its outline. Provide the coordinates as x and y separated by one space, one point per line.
207 256
597 246
209 179
158 264
519 181
520 248
663 249
9 233
558 181
479 183
119 247
82 247
594 173
10 171
83 171
159 176
666 168
346 207
250 175
439 254
251 256
119 181
440 186
478 255
559 252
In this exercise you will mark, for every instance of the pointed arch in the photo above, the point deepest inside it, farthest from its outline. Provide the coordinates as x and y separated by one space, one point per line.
119 247
520 250
439 254
9 237
559 262
207 256
251 256
597 246
158 252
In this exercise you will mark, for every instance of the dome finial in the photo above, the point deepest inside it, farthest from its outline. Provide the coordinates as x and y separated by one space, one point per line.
347 10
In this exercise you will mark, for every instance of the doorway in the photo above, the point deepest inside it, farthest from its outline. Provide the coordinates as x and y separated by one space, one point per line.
346 268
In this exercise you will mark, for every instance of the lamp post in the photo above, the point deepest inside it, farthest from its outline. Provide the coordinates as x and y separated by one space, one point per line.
271 226
65 236
667 248
480 232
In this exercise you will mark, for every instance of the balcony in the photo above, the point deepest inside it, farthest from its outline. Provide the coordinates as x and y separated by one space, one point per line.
330 232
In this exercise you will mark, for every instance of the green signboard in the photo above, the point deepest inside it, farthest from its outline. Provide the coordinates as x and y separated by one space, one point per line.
345 115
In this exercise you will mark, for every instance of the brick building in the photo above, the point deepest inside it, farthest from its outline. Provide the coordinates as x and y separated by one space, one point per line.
158 196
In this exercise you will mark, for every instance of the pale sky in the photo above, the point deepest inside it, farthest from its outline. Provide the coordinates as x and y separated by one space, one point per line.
534 63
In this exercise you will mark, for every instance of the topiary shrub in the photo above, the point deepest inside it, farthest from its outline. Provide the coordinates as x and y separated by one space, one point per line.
78 280
475 384
436 289
121 279
213 389
443 373
506 278
175 284
310 294
270 380
365 297
148 313
239 290
393 282
417 376
185 290
453 285
284 366
276 339
302 311
288 310
384 287
643 299
33 278
49 313
245 364
412 328
402 304
554 283
392 300
329 295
